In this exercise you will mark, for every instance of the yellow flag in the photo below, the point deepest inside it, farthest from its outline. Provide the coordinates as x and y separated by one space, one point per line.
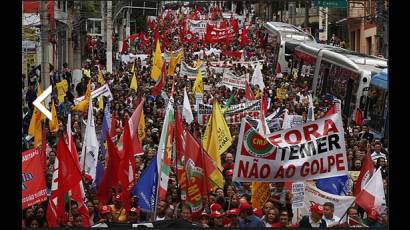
101 102
101 77
133 68
179 57
198 62
156 62
134 84
198 84
141 128
87 73
53 123
82 106
217 137
35 128
172 64
260 194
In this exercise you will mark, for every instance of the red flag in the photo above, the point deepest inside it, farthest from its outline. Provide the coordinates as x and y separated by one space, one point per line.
264 105
113 130
358 117
124 45
248 92
234 23
278 69
332 110
110 177
156 36
244 37
365 174
160 83
372 198
67 168
180 154
126 172
144 40
190 148
135 124
77 193
223 24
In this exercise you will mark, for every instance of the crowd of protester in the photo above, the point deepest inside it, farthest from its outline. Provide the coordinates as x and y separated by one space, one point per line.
226 207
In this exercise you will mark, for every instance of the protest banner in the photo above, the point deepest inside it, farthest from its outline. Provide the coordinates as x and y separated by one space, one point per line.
197 26
233 114
192 72
291 121
102 91
198 100
167 54
143 58
298 194
230 80
273 123
216 35
260 194
314 150
315 195
33 180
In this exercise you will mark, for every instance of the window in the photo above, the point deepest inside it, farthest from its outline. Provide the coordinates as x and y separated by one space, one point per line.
352 41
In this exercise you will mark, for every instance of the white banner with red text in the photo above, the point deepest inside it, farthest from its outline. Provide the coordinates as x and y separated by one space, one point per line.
312 151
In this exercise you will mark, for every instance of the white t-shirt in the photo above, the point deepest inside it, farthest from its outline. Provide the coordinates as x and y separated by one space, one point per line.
333 221
375 156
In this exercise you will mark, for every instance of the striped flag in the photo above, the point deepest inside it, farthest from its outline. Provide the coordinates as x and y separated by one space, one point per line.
165 150
101 157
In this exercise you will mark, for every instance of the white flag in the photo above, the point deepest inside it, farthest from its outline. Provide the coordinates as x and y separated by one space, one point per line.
187 111
89 153
257 78
311 111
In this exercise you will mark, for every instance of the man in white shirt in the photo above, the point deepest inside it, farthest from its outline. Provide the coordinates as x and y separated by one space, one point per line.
161 210
328 214
377 153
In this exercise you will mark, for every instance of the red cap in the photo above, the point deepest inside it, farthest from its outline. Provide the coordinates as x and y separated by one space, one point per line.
317 208
118 197
105 209
244 206
216 214
215 206
234 211
258 212
229 172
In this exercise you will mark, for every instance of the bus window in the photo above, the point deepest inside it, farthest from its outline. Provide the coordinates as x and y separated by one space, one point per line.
377 100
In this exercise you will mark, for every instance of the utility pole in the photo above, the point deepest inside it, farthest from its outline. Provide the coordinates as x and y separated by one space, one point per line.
69 37
45 63
307 7
76 32
109 36
103 32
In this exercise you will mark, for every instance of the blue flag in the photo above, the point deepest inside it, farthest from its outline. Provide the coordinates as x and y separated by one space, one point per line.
334 185
101 154
146 188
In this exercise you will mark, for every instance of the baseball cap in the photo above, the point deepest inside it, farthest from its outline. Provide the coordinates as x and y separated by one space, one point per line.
215 206
118 197
216 214
229 172
244 206
204 214
234 211
105 209
317 208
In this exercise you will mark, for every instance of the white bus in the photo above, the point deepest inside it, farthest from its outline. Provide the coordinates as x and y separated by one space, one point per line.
338 72
285 37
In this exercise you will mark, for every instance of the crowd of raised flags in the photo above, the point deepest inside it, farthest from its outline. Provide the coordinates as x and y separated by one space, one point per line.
107 171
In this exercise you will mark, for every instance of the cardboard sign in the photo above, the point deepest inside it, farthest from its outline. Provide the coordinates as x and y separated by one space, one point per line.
298 194
192 72
314 150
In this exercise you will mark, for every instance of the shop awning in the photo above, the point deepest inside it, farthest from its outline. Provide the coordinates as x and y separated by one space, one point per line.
381 79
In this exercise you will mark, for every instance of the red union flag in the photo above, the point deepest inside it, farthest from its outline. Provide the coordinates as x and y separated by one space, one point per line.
311 151
33 184
215 35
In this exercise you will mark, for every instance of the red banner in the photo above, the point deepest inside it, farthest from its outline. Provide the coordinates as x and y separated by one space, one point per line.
215 35
33 180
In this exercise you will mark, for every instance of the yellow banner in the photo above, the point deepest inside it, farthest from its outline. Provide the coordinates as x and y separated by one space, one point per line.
260 194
